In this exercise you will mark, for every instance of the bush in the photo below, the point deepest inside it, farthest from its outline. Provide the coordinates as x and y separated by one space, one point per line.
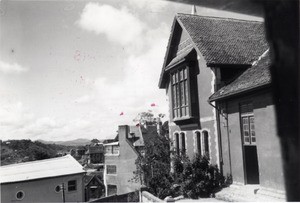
197 178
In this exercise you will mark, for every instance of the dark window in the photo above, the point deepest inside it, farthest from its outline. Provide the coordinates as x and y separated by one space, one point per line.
57 188
183 148
111 190
206 143
72 185
180 93
177 143
198 143
111 169
247 124
20 195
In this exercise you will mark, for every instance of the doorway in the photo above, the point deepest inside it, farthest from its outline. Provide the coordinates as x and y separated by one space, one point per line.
251 167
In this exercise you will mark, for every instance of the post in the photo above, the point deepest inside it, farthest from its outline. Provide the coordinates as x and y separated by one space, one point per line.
63 192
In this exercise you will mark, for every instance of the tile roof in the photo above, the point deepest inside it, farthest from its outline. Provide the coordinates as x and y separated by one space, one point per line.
46 168
256 76
225 40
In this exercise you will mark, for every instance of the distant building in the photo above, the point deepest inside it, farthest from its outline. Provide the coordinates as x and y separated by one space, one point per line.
95 154
94 187
42 181
216 74
120 158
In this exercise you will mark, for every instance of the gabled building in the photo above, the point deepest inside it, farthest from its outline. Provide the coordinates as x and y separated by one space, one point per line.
215 74
203 54
94 187
43 181
120 158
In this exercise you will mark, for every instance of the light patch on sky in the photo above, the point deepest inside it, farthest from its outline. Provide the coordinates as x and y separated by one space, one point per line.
69 69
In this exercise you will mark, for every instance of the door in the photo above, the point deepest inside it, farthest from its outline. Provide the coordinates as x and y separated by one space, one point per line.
250 149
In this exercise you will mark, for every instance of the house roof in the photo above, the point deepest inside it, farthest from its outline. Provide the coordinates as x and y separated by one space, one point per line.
225 40
46 168
221 41
142 135
256 76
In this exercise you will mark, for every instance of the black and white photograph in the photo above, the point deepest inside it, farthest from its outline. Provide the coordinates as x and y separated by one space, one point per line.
149 101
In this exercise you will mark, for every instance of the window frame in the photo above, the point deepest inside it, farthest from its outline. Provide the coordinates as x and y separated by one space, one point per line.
246 115
176 93
114 171
71 185
112 150
116 188
23 195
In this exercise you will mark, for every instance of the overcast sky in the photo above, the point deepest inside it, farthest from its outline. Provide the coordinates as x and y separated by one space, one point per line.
69 68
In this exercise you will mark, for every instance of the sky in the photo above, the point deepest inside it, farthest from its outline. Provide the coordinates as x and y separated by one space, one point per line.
79 69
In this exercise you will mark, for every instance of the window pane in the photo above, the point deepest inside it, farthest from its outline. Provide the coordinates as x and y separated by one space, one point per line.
71 185
111 169
183 111
182 94
246 133
181 74
187 111
185 73
253 139
115 149
177 96
247 140
186 93
206 143
111 190
198 143
173 79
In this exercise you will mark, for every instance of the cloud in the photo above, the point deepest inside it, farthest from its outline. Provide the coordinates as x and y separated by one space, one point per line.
84 99
119 26
11 68
154 5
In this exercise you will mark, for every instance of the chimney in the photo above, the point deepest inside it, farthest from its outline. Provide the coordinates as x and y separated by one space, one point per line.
194 11
123 132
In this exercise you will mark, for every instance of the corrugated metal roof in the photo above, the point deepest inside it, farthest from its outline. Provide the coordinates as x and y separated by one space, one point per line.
46 168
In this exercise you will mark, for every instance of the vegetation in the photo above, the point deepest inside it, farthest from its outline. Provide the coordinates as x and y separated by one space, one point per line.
16 151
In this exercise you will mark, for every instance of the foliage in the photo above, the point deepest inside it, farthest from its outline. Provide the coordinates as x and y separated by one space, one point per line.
95 141
197 178
15 151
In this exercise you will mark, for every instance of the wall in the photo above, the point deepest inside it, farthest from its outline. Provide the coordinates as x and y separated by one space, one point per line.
43 190
268 147
125 163
207 121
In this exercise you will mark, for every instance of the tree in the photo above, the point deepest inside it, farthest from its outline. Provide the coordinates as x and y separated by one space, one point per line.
95 141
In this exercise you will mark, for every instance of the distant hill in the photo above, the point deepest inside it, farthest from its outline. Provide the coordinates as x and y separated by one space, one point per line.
16 151
76 142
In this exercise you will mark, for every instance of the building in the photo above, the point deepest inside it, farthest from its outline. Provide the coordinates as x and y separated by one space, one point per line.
95 154
43 181
249 140
94 187
120 158
208 62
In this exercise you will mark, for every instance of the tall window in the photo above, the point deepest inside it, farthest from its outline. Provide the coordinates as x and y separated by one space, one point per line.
180 93
183 147
177 143
247 124
72 186
111 169
206 143
198 142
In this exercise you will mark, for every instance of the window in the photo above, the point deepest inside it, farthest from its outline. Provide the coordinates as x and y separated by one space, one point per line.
112 150
177 143
198 142
206 143
180 93
183 148
72 185
111 169
20 195
111 190
57 189
247 124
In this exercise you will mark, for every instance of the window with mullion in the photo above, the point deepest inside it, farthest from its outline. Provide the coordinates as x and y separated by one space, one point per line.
180 93
247 124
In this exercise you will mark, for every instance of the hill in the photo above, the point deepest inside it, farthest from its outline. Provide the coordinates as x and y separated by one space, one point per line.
76 142
16 151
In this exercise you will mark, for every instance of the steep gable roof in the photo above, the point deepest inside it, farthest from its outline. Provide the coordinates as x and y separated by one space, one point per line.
46 168
254 77
225 40
221 41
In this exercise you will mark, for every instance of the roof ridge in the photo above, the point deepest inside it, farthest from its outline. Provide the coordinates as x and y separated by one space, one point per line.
36 161
220 18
